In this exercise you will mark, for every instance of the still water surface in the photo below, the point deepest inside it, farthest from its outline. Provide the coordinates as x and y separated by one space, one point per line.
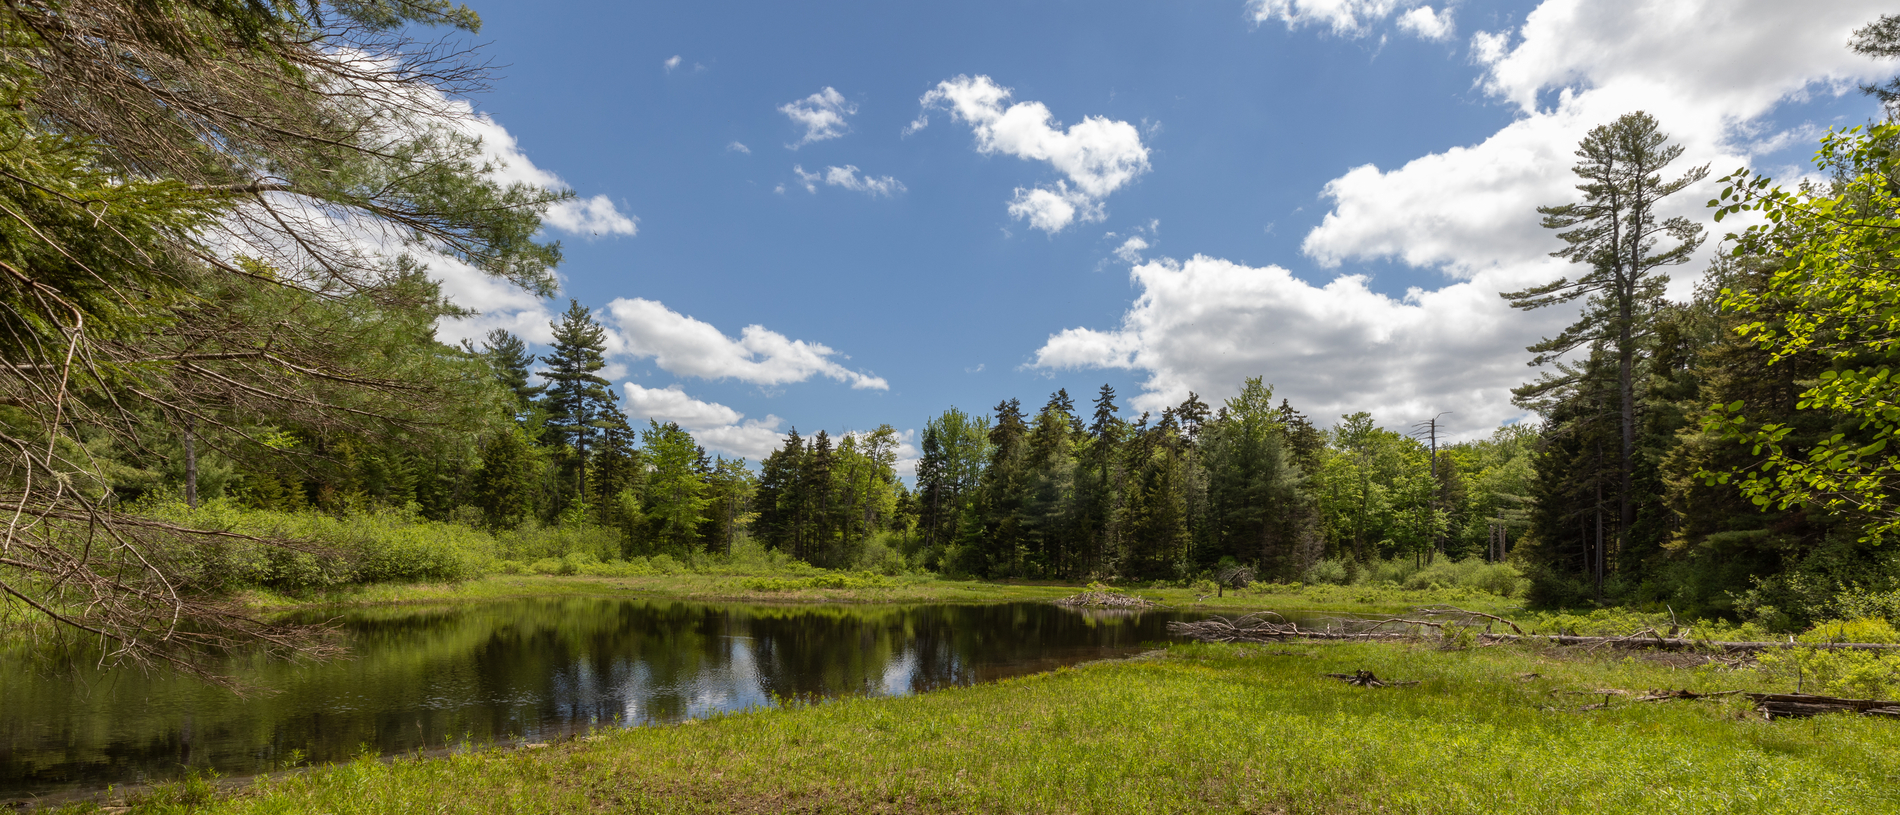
528 669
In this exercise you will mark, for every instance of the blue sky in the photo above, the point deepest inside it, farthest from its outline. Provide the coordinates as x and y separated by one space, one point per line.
1326 193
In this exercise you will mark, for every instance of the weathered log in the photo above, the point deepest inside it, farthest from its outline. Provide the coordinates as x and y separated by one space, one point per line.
1797 705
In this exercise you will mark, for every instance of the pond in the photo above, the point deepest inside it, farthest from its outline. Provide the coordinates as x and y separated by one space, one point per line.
529 670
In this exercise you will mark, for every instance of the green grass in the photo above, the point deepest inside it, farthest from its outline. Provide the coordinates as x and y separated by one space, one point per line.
1198 729
738 584
825 587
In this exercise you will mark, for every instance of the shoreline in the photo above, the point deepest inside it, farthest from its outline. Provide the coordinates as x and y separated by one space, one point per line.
1189 728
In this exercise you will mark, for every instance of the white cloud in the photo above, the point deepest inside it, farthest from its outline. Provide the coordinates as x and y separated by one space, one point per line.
1052 210
688 347
1470 211
1350 18
1426 24
589 216
1131 249
737 147
808 180
822 114
713 425
1474 207
671 404
1096 155
508 164
1208 324
848 178
1488 47
671 63
501 304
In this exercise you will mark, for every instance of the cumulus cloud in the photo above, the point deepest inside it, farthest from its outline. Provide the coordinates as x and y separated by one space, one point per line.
822 114
671 63
1096 156
1474 207
713 425
592 217
644 329
1470 211
585 217
1208 324
1426 24
848 178
738 147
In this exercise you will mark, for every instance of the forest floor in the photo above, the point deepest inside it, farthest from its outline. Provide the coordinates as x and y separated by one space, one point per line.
837 587
1192 728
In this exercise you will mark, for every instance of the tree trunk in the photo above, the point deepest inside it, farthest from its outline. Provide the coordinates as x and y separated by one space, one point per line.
191 464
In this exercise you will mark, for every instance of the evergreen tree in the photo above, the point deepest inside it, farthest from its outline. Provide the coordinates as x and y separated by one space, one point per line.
778 524
509 358
818 502
1613 232
504 485
1098 485
578 399
995 545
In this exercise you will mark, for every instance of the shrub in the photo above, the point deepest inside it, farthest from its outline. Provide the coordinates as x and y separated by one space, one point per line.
1329 572
1867 674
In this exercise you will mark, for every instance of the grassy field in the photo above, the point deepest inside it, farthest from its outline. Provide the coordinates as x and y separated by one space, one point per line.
1196 728
842 587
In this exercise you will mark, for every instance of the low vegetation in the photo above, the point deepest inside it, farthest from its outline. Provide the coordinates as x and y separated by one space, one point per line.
1198 728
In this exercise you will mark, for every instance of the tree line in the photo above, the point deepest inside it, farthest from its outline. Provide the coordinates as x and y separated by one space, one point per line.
218 219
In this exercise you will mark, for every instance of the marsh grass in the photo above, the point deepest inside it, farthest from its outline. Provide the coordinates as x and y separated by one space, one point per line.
1199 728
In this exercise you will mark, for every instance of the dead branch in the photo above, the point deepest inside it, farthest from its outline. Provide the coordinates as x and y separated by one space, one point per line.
1366 679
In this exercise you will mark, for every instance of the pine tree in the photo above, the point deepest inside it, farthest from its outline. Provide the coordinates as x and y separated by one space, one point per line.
818 502
509 358
778 495
578 399
1613 231
504 485
1098 464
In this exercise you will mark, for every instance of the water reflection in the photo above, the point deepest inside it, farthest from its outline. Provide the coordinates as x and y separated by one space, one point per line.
532 669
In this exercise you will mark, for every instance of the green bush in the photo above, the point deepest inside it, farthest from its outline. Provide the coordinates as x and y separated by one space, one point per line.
1865 674
1329 572
1474 574
324 551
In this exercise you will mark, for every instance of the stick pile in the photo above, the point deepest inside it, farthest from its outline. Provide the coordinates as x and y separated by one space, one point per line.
1106 599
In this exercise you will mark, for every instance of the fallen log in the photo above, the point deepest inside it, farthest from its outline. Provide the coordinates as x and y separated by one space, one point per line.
1106 599
1258 628
1800 705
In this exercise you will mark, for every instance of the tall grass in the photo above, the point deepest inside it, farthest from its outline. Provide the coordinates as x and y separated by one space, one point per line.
1475 574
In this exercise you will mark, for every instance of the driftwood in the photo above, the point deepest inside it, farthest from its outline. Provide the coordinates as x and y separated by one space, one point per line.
1106 599
1268 626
